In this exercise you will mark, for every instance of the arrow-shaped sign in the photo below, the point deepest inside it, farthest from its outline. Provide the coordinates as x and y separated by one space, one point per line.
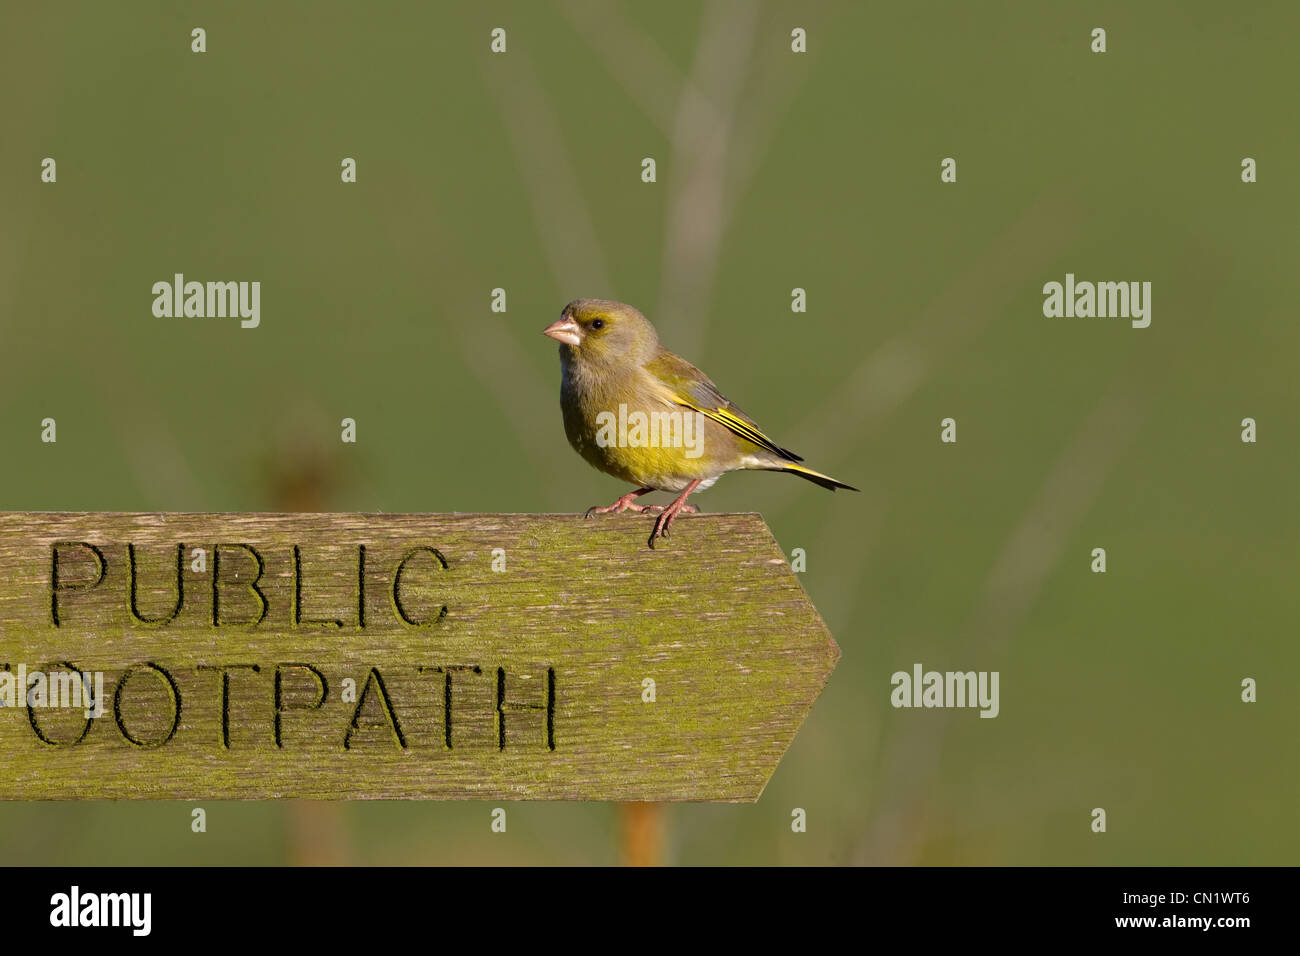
398 656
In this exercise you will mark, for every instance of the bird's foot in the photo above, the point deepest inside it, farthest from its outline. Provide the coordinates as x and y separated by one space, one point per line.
625 503
666 518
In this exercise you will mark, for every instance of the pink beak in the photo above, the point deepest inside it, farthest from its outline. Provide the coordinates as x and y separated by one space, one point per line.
564 330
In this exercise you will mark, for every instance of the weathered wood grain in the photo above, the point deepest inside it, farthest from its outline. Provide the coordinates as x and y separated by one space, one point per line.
542 663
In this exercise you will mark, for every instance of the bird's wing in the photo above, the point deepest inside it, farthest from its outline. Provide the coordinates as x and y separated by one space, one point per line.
687 386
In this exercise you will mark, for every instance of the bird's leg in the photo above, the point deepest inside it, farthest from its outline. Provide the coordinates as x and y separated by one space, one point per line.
656 509
669 514
622 504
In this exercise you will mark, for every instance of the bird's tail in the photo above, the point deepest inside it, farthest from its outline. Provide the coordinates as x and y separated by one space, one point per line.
816 477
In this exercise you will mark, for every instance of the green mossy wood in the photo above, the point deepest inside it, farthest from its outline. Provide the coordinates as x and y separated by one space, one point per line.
491 656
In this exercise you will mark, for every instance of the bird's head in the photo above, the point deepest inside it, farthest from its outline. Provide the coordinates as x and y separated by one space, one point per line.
601 330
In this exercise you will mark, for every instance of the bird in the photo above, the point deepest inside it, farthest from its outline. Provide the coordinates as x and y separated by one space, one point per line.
636 411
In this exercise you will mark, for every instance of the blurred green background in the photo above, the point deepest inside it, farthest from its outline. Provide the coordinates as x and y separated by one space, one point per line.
775 171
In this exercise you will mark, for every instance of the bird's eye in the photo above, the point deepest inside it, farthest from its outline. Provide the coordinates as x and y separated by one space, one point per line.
597 323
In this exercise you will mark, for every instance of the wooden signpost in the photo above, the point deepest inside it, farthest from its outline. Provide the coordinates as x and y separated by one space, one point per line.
398 656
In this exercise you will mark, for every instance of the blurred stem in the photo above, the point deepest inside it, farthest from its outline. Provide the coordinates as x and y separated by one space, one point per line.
317 834
300 481
641 833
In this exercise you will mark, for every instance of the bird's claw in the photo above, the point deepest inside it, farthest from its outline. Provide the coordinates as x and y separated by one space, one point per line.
662 524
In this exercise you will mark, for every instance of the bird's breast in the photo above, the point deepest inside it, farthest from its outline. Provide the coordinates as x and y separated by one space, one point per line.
625 428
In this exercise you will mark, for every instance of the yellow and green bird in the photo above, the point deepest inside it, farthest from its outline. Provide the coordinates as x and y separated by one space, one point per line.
640 413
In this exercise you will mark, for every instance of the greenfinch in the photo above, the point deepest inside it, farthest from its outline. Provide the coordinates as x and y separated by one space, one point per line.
638 412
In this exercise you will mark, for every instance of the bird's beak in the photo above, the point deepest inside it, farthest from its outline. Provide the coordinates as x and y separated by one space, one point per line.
564 330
